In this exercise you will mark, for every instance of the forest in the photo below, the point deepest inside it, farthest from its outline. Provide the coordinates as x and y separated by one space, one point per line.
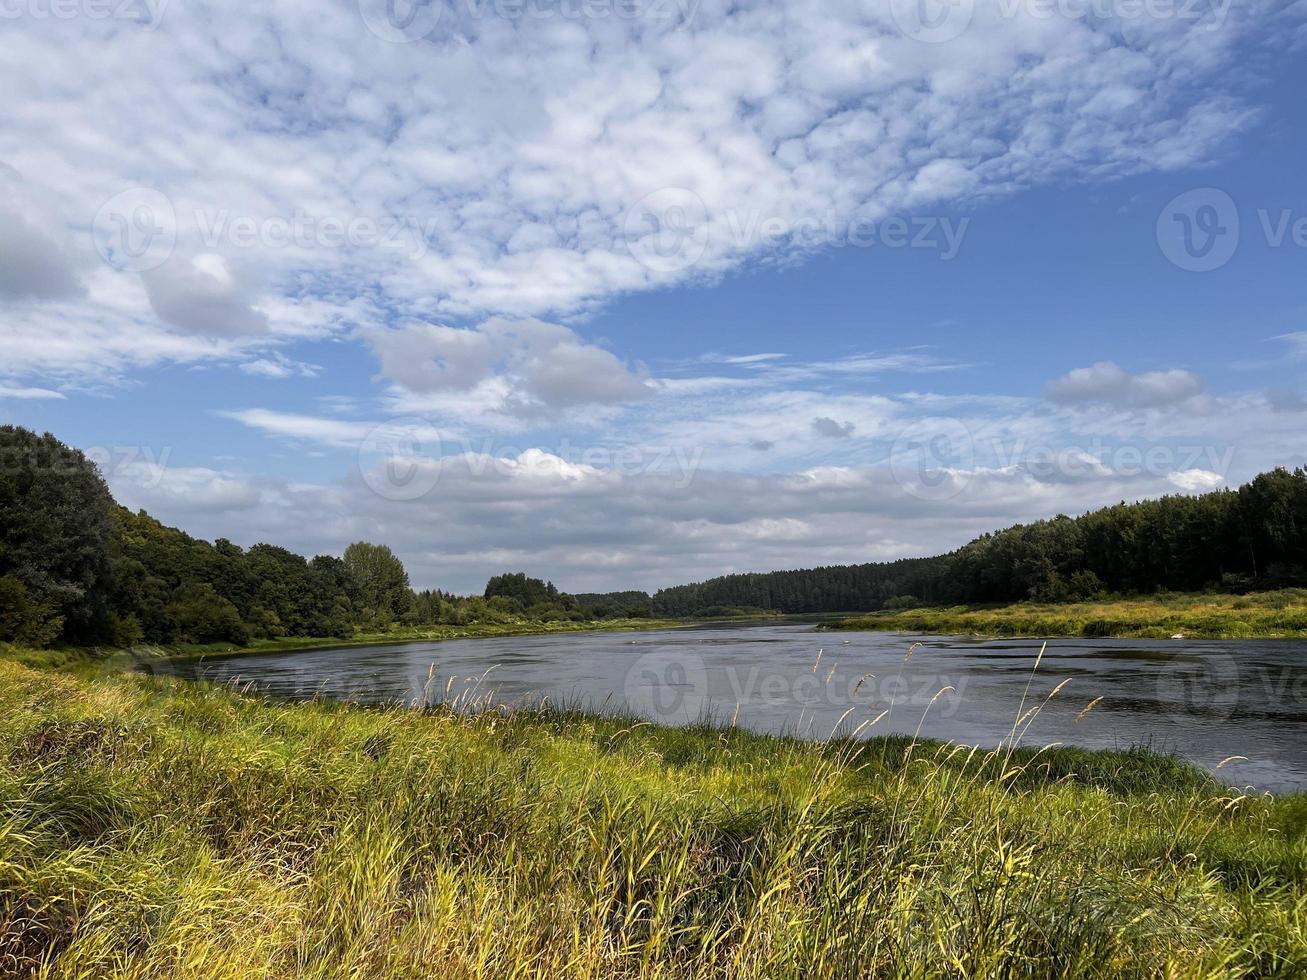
78 568
1242 540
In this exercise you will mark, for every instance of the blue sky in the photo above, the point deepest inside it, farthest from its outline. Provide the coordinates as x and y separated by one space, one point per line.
628 302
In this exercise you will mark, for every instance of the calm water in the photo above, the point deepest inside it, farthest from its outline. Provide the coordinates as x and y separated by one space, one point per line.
1207 700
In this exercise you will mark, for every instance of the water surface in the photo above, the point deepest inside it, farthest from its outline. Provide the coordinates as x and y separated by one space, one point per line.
1205 699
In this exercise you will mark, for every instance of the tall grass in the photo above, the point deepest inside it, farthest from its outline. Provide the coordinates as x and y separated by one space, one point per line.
154 828
1281 613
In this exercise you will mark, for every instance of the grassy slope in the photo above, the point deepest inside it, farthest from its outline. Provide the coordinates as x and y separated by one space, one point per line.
412 634
151 828
1262 614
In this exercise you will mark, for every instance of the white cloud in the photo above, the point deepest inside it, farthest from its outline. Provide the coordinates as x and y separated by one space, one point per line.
492 169
828 428
277 366
520 366
204 296
1111 384
28 393
32 266
1196 481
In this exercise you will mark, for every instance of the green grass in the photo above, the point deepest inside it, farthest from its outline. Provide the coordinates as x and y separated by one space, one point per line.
410 634
155 828
1278 614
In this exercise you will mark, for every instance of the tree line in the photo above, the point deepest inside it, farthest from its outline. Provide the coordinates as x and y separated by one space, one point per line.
1240 540
76 567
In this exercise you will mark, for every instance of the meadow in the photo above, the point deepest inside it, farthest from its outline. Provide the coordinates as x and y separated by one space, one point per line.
156 828
1280 613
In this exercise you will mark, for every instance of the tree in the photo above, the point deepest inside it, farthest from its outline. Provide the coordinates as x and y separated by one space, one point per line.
379 581
55 531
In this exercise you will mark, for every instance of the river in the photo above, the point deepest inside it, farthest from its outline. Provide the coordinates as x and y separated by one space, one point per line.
1207 700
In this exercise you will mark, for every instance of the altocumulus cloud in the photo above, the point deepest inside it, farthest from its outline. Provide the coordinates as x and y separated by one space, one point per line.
1109 383
493 167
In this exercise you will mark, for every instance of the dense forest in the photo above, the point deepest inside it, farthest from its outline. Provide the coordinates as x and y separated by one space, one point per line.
1233 540
75 566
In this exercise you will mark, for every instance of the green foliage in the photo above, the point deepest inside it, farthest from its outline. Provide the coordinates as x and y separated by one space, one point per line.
1237 540
379 582
150 828
1281 613
522 590
55 531
902 602
24 620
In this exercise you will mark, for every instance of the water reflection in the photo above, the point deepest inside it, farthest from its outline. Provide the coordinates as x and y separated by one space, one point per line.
1207 700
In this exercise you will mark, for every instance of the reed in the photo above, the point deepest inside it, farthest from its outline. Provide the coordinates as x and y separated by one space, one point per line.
155 828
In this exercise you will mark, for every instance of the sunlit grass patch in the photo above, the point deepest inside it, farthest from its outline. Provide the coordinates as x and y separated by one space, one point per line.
153 828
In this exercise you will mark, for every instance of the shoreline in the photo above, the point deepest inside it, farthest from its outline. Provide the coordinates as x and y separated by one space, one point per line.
1277 615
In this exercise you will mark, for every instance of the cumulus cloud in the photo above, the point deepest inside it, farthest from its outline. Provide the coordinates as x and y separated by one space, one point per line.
1196 481
1109 383
32 265
828 428
204 296
527 365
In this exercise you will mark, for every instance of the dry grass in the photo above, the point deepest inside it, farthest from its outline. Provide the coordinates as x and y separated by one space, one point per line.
152 828
1282 613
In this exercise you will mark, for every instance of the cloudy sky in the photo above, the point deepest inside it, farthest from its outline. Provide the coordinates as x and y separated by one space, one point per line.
627 293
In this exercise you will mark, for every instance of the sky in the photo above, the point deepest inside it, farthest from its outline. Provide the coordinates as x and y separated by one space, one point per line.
630 293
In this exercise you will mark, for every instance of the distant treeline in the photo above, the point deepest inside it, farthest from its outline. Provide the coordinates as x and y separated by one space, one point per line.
75 566
1233 540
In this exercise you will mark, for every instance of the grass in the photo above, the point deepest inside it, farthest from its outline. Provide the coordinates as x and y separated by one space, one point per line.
1277 614
410 634
155 828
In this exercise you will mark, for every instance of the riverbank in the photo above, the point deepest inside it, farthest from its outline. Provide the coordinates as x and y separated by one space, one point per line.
398 635
151 827
1261 615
